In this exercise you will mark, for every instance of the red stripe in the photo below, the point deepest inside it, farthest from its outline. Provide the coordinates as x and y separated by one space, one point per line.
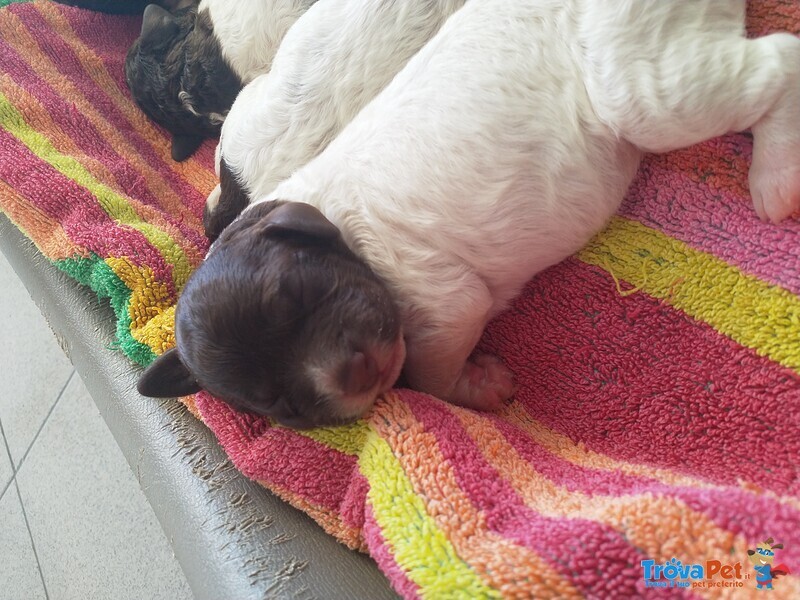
570 546
73 123
84 134
83 220
279 456
639 381
354 502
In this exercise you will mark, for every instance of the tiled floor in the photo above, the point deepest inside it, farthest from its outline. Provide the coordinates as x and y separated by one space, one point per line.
73 521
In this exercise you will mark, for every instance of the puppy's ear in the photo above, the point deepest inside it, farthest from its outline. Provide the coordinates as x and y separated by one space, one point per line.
303 219
167 377
159 26
184 145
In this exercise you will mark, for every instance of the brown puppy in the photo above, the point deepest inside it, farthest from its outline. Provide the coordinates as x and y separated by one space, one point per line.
326 332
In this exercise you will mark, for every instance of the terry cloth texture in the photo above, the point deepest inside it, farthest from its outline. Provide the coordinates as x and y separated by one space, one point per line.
652 425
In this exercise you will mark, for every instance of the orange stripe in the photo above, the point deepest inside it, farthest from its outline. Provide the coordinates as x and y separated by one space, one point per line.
37 115
191 406
515 571
48 234
561 446
192 170
328 519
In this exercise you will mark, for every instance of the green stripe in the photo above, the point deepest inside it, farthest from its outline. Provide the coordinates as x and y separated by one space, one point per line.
96 274
4 3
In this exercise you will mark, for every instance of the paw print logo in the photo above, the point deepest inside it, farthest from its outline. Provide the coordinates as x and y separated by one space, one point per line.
762 558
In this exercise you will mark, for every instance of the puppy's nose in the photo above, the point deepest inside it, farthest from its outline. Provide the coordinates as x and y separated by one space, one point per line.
360 374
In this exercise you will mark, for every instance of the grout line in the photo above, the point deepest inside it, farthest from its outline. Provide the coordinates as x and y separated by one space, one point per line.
15 469
44 421
10 460
33 544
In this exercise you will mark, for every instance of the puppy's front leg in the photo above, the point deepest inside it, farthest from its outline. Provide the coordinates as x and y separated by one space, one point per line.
437 355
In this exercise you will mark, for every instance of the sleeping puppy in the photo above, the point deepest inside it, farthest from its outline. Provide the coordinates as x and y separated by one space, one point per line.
186 67
331 64
500 149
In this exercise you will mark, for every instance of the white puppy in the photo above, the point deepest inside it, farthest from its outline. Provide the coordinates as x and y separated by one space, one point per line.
336 58
504 145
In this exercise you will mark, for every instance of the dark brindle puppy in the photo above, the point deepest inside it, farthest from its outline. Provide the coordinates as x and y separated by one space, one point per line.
187 66
177 75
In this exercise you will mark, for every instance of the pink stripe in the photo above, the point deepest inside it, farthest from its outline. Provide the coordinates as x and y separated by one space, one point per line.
726 507
700 196
279 456
571 546
61 54
379 551
639 381
753 517
76 209
106 35
354 502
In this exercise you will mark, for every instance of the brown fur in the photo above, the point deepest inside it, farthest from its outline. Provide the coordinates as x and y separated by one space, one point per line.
281 294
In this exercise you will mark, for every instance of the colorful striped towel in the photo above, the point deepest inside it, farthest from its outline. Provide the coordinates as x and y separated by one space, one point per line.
658 416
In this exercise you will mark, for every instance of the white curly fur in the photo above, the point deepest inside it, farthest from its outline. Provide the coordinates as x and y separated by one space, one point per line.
250 31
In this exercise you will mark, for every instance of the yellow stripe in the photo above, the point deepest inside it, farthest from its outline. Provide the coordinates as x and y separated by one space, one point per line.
347 439
754 313
419 547
151 306
113 204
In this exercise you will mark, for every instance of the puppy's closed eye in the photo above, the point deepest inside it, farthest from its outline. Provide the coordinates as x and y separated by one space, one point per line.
304 291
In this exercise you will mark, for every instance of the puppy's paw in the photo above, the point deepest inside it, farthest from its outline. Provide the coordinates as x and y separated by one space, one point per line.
775 171
775 188
485 383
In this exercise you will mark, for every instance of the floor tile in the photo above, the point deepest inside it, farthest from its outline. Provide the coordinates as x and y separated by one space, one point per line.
19 573
95 534
33 368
